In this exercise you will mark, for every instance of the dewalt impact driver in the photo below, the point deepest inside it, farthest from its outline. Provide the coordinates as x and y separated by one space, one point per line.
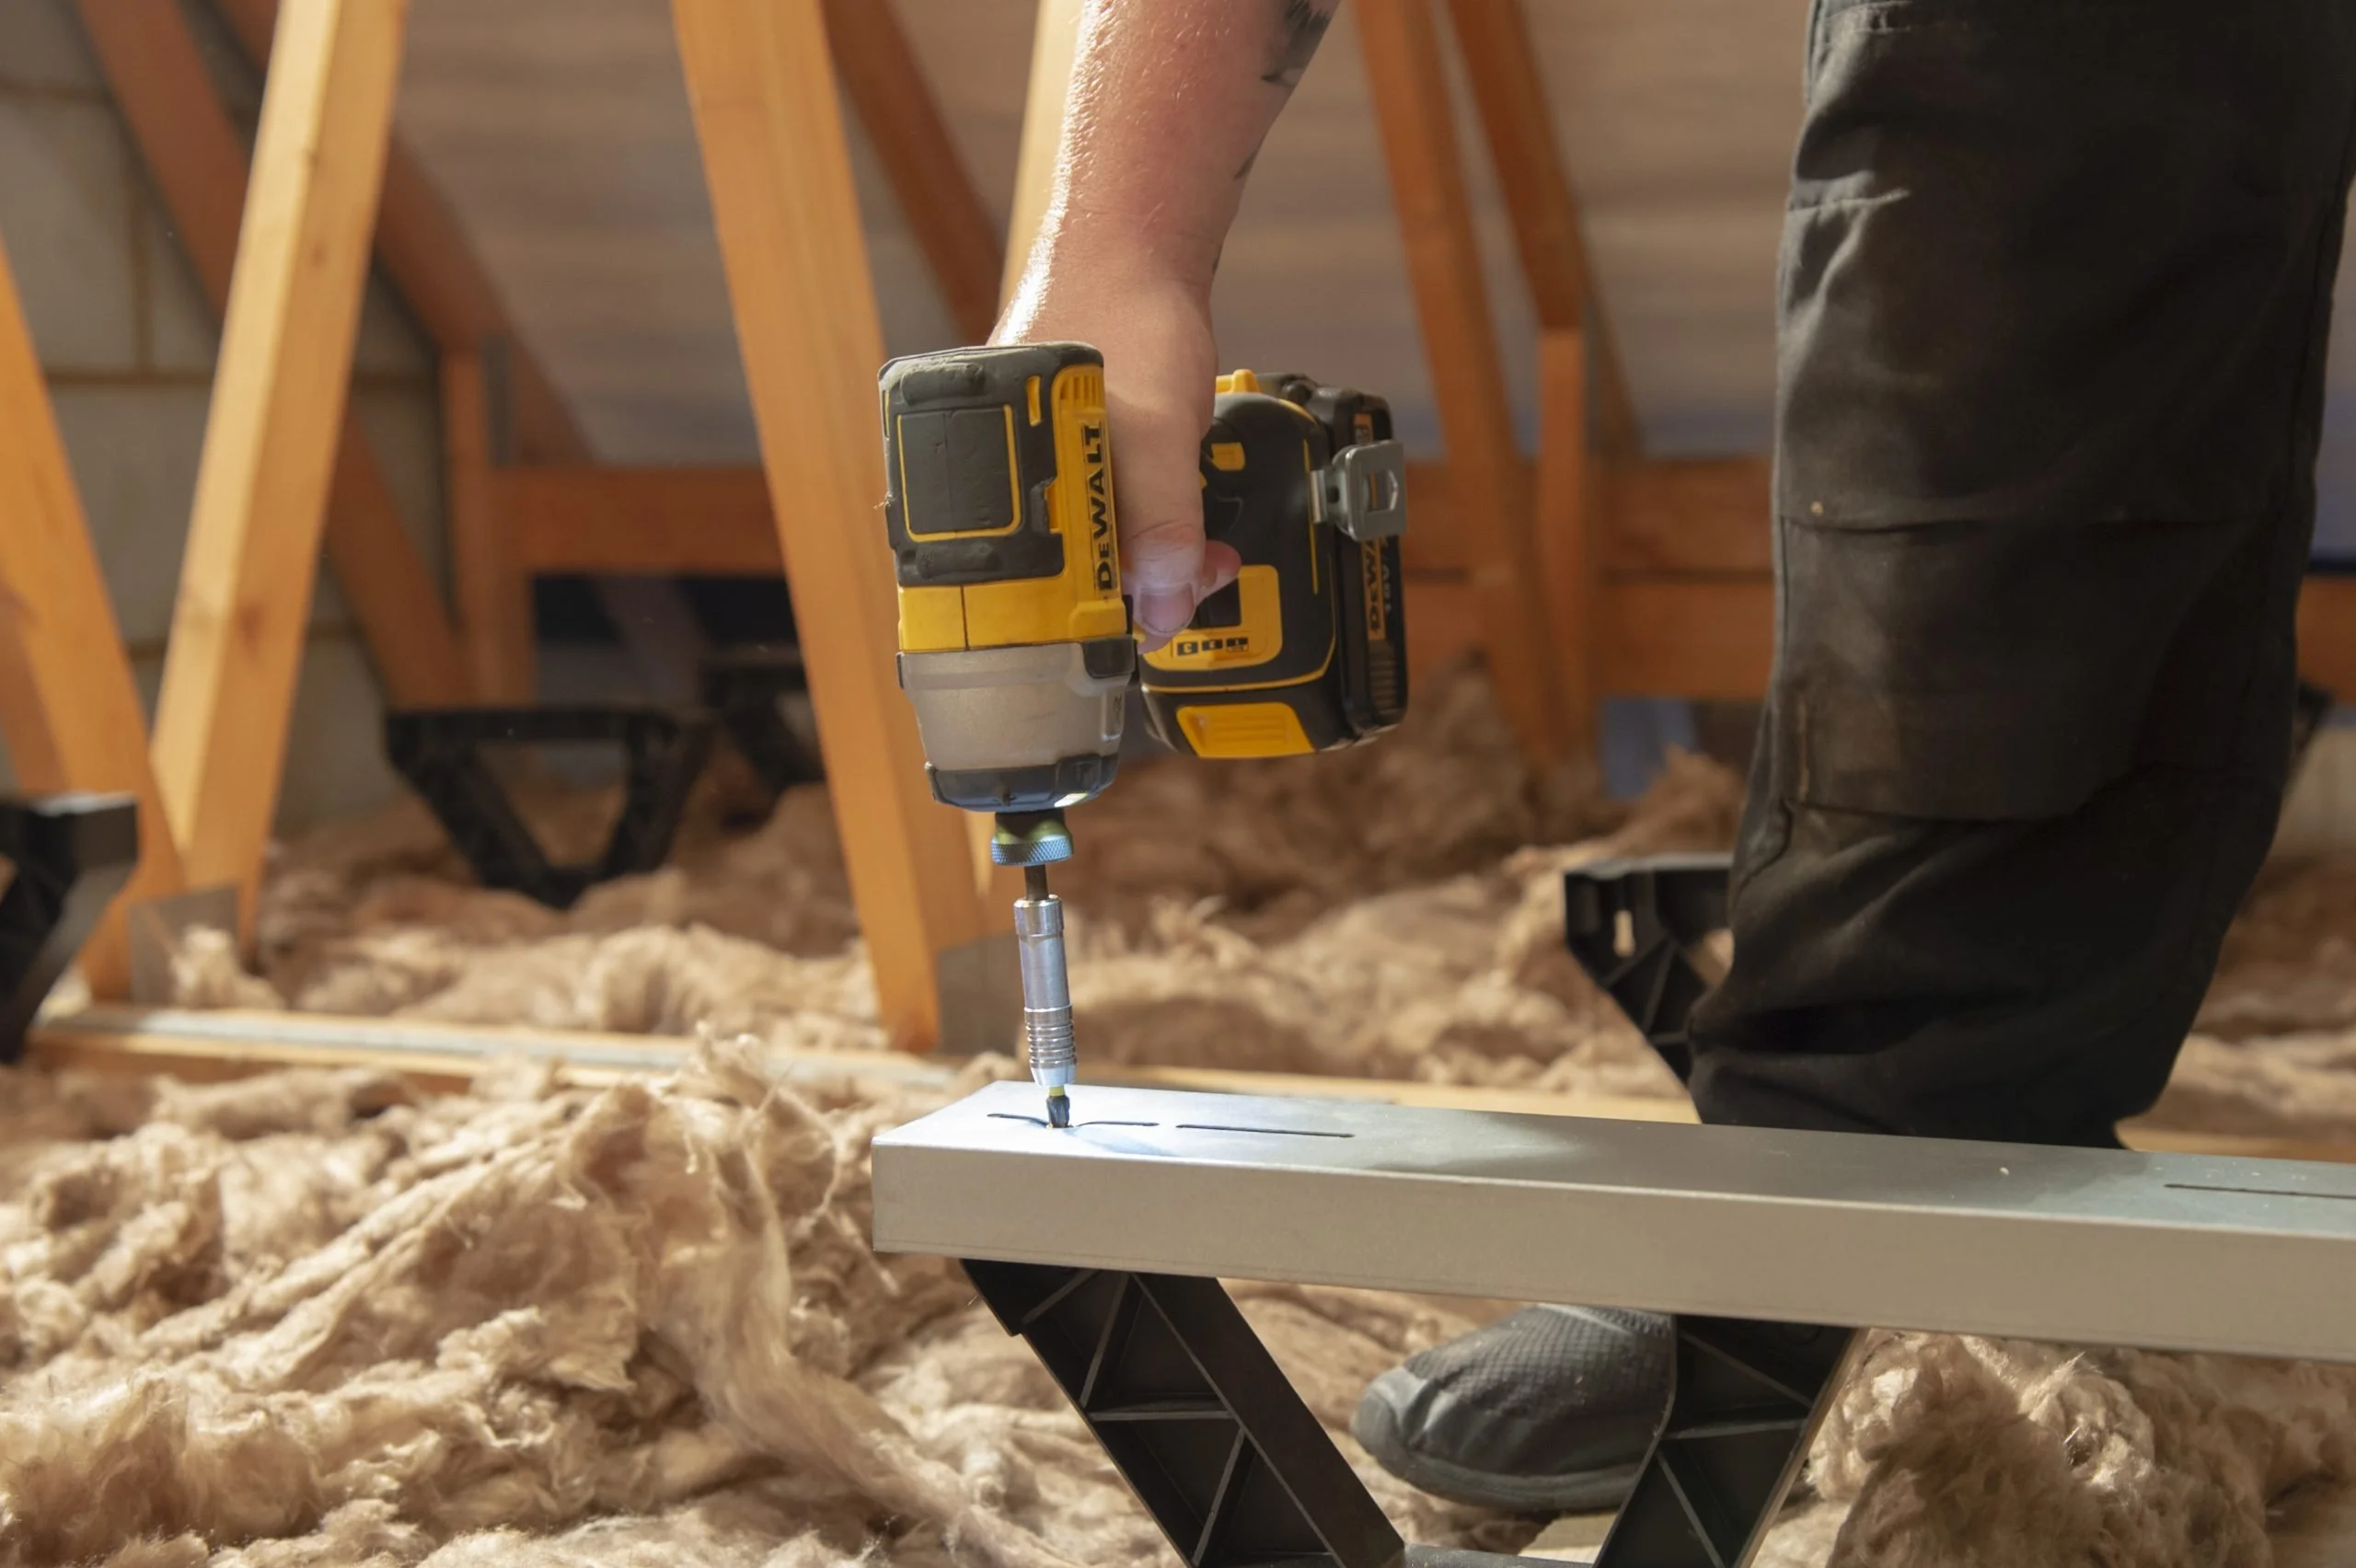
1015 643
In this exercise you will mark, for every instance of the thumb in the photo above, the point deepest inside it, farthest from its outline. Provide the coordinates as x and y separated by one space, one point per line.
1170 569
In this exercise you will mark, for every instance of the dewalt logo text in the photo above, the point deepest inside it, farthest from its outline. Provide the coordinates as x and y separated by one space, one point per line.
1100 507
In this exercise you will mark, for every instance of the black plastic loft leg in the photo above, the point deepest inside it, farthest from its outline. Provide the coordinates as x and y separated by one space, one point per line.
1748 1394
1200 1422
439 751
72 854
1194 1411
1748 1399
742 688
1631 923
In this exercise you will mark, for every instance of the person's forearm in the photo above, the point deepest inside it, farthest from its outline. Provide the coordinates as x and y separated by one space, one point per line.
1171 99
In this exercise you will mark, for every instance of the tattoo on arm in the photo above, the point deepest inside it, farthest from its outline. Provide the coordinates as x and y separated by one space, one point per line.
1300 26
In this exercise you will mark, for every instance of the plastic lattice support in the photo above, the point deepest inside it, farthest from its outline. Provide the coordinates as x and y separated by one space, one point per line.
1194 1413
1200 1422
1631 923
742 688
440 752
1203 1425
71 855
1747 1399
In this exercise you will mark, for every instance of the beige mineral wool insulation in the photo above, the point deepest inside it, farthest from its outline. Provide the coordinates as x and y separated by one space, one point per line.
311 1319
1371 913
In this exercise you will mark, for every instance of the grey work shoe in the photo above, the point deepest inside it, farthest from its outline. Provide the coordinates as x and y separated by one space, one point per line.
1551 1409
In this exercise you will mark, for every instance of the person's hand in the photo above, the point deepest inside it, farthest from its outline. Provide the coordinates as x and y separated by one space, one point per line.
1159 365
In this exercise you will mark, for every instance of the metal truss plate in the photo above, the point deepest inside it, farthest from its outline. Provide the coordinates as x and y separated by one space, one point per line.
2238 1256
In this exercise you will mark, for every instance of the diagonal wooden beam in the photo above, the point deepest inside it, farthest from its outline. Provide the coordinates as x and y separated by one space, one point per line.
1055 47
780 175
68 707
880 76
1511 98
434 268
197 162
270 431
433 265
1405 72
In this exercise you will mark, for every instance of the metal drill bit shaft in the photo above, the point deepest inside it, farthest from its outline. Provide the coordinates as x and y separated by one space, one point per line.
1046 992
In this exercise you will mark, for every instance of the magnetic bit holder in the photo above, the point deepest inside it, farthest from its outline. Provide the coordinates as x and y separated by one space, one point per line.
1219 1447
741 688
1636 926
71 854
440 752
1029 839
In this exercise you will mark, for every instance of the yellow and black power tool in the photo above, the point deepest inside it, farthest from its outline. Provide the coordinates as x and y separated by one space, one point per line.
1015 643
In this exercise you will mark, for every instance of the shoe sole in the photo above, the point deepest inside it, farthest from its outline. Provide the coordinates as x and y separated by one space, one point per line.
1582 1492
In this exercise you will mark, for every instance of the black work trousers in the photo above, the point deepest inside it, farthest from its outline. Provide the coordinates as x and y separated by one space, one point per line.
2056 284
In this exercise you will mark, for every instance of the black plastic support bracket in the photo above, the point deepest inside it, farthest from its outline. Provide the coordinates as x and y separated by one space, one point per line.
742 688
440 752
1194 1413
1634 925
71 854
1749 1397
1216 1443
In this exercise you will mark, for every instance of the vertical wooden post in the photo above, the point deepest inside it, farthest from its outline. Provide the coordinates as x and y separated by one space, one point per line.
780 175
494 598
1401 38
68 707
192 152
269 441
1569 547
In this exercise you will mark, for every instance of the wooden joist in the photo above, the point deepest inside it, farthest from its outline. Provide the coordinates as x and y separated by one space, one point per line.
1490 495
2328 634
214 1046
1685 637
68 708
625 522
1706 516
197 162
881 79
778 172
271 432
